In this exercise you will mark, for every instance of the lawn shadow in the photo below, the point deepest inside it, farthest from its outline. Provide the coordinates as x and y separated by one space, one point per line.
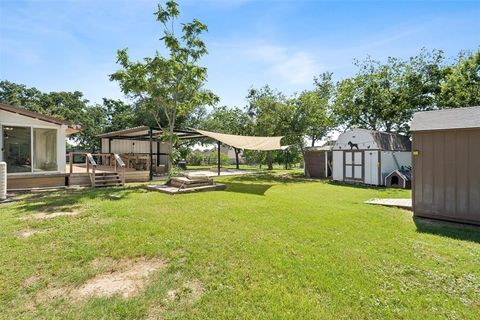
71 198
249 188
452 230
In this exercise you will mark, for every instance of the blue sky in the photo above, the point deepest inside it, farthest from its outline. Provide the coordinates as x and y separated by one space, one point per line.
71 45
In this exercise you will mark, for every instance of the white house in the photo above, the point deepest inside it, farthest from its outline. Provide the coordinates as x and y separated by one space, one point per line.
366 156
33 146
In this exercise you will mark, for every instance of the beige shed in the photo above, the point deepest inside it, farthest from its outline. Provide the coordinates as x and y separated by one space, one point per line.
446 164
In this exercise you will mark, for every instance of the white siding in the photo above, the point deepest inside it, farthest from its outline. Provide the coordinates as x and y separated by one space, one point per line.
337 159
371 167
13 119
136 146
133 146
388 162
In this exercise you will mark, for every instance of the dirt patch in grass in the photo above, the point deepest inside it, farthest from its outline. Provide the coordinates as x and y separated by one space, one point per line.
283 175
127 278
102 263
45 215
26 233
30 281
155 312
189 293
49 294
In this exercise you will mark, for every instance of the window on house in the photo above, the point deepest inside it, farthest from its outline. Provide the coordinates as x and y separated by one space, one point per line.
17 149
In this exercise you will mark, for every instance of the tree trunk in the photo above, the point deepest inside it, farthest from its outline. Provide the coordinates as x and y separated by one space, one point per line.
269 160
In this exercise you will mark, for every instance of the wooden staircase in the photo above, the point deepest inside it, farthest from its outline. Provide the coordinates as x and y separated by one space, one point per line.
107 179
103 179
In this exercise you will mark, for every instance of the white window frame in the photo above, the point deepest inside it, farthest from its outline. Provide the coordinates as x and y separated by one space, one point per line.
12 124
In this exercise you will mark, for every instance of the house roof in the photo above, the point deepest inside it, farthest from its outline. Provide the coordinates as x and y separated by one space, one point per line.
31 114
391 141
35 115
447 119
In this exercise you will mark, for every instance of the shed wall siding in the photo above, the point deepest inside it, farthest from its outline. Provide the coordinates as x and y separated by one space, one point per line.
447 175
315 164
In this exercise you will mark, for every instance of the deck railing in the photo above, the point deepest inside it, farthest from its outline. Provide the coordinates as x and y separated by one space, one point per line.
105 158
120 162
91 162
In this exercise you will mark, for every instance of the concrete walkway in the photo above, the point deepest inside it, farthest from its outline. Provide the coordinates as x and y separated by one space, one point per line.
399 203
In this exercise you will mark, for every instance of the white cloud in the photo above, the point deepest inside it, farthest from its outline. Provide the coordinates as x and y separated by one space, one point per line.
293 66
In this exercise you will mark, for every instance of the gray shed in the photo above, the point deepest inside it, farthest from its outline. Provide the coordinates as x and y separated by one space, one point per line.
446 164
318 161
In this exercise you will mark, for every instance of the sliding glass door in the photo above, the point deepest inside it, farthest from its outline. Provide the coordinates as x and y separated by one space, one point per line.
17 149
44 150
27 149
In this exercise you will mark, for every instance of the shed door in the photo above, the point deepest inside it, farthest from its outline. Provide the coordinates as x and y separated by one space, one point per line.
372 166
354 165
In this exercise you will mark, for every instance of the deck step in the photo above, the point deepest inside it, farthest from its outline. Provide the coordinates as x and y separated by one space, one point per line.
107 179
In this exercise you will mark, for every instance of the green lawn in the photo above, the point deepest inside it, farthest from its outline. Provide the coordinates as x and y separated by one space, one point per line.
269 247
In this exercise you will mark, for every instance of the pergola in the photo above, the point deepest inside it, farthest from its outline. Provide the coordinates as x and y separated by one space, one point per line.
153 135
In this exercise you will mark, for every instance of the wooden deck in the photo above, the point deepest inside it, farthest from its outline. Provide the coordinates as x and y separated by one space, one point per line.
82 168
80 177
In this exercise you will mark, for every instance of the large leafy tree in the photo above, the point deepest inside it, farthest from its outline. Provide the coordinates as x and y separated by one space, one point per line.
385 96
461 86
314 114
272 114
230 121
170 86
119 115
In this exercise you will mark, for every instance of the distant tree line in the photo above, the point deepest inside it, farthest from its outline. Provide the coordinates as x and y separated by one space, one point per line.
167 91
380 96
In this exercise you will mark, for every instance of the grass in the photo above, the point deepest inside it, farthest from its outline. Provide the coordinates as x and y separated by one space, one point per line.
248 167
269 247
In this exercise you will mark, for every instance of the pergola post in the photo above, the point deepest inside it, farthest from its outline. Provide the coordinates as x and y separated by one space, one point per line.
236 157
150 132
218 157
110 151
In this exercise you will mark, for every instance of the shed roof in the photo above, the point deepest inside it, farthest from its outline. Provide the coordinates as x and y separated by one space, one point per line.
389 141
327 146
385 141
447 119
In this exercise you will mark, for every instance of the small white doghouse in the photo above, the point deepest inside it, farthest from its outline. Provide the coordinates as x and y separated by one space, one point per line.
368 157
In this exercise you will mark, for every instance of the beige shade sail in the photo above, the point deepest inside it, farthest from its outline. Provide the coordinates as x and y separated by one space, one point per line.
245 142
